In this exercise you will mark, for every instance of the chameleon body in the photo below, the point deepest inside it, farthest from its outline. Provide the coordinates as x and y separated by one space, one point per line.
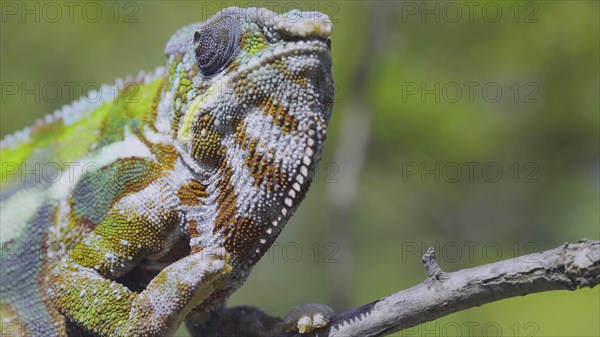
144 208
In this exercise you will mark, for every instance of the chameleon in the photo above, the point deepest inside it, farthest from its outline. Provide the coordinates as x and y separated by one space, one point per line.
126 215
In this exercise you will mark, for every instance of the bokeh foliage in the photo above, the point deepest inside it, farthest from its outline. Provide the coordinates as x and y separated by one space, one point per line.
555 61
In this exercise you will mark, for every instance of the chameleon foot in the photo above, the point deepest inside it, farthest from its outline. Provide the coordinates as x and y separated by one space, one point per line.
307 317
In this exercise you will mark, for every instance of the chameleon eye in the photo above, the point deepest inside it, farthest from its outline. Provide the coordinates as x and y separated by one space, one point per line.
216 44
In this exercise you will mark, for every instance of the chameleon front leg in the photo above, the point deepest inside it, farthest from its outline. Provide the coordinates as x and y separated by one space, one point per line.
83 290
106 308
175 291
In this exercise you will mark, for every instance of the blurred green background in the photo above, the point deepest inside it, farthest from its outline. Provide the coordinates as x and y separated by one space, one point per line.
424 91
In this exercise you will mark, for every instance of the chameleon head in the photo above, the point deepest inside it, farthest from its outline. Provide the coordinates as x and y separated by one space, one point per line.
252 93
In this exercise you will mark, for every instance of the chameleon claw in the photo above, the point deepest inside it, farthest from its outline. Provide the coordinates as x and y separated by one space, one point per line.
227 269
319 321
307 317
307 324
304 324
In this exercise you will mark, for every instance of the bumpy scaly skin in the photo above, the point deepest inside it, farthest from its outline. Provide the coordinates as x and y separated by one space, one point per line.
167 196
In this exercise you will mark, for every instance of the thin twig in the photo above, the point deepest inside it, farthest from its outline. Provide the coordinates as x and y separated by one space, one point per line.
433 269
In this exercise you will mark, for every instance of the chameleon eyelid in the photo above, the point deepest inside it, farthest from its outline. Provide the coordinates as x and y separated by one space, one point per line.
216 45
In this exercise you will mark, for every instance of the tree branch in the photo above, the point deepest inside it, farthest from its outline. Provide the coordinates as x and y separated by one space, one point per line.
570 266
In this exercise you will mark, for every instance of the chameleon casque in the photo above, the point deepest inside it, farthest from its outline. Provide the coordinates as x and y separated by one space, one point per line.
159 202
